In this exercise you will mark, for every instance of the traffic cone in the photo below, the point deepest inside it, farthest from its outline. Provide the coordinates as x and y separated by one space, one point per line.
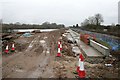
78 67
60 46
59 51
58 54
13 47
6 50
81 71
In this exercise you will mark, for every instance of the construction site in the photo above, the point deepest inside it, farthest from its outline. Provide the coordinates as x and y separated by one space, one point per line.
59 53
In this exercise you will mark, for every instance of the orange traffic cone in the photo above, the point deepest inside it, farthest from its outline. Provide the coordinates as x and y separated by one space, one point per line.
81 71
13 47
6 50
59 51
60 46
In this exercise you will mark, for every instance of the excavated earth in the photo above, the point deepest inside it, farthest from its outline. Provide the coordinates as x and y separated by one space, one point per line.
35 57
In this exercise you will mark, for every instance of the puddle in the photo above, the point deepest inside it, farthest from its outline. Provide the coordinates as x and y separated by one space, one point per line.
18 70
48 52
45 37
30 46
42 41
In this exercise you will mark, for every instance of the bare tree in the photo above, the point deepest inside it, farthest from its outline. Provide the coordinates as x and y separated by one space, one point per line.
85 23
98 19
92 20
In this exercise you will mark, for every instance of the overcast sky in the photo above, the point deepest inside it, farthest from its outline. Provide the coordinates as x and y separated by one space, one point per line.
66 12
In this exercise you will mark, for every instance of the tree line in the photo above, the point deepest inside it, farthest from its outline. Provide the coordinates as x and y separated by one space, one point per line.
17 25
94 24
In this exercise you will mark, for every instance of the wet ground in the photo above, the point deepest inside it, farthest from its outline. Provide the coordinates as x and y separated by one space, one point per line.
32 62
35 57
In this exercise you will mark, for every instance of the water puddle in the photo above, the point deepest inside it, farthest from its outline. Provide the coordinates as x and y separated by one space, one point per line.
45 37
42 41
18 70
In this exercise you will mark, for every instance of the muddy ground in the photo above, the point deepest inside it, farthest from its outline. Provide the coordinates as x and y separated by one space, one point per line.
35 57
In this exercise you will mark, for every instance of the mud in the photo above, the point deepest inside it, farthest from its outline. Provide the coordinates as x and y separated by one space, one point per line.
35 57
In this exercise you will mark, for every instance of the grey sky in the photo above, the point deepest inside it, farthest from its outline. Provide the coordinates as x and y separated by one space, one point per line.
68 12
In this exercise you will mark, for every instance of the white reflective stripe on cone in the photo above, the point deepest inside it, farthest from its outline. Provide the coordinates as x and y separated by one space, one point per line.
7 47
81 66
60 45
58 50
13 46
58 42
79 62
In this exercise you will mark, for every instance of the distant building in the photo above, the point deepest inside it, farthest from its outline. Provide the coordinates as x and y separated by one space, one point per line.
119 12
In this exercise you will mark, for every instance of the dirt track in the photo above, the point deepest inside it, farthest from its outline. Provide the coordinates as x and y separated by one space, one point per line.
35 61
35 57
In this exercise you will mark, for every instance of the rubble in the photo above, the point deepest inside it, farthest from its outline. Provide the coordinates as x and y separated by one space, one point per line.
98 67
108 65
76 50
